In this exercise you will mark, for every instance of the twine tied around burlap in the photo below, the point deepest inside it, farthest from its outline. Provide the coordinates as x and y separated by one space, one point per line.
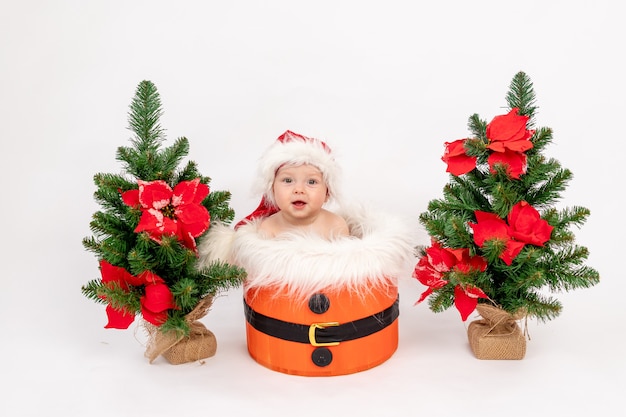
497 335
176 348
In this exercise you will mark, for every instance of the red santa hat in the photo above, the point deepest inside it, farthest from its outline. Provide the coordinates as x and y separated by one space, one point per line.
293 149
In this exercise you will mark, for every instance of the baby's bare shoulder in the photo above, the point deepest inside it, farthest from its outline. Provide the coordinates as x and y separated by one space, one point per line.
268 226
337 224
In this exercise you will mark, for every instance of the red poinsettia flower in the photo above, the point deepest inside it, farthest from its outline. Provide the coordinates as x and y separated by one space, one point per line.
527 225
432 267
111 273
509 139
467 263
515 162
118 318
154 304
176 212
490 226
157 299
458 161
508 132
466 299
118 276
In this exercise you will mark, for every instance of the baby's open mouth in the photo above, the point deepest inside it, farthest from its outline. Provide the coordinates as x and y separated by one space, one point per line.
298 203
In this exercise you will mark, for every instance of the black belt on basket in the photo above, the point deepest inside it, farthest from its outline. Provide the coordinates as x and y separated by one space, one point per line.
322 333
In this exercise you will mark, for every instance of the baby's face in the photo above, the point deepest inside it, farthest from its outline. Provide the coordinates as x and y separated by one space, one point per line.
300 189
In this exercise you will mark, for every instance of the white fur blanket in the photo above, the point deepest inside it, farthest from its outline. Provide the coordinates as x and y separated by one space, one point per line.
379 248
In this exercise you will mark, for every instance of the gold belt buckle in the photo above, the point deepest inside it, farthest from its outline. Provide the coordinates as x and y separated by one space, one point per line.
314 326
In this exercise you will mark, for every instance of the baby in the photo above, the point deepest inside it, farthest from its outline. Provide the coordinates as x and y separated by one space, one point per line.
316 302
297 178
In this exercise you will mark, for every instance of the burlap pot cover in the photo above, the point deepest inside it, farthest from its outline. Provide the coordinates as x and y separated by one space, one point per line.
497 335
199 344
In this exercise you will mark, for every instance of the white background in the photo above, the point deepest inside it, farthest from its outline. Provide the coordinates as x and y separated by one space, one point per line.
385 84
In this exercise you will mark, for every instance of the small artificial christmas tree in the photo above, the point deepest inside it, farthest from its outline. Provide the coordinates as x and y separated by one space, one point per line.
497 237
145 239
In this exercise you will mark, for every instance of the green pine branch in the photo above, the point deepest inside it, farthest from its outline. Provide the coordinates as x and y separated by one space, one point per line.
143 119
521 95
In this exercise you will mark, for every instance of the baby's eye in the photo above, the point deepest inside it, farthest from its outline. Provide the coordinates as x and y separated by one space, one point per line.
312 182
287 180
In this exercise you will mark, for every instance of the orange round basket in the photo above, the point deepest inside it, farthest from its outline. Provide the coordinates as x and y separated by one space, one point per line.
334 332
319 307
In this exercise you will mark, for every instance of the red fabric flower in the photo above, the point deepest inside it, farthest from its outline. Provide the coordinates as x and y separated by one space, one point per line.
515 162
458 161
157 299
154 304
508 132
165 211
118 318
117 276
120 276
432 267
509 139
490 226
527 225
466 299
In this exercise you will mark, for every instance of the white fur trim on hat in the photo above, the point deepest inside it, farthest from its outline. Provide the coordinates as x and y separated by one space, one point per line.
292 148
